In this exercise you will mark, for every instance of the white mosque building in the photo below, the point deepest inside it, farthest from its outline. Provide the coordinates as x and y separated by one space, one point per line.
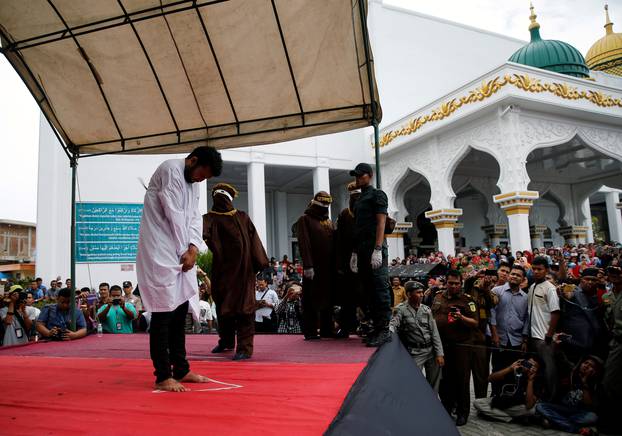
486 140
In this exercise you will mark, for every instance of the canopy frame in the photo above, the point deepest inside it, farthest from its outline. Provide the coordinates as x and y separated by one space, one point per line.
370 110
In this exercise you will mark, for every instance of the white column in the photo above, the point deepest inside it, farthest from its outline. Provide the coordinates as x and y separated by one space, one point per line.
587 222
257 198
445 221
614 216
446 241
321 180
518 224
282 229
516 205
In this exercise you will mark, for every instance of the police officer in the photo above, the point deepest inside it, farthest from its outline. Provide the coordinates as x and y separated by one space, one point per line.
415 325
348 295
455 314
370 256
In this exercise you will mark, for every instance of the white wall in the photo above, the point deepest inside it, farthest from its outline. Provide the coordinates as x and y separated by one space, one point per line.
419 58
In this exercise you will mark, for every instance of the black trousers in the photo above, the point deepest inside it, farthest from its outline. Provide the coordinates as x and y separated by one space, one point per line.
167 344
375 285
455 388
242 326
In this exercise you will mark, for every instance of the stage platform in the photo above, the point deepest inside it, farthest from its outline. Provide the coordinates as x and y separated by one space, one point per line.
104 386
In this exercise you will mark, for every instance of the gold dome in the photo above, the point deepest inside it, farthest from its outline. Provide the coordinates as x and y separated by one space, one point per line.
606 53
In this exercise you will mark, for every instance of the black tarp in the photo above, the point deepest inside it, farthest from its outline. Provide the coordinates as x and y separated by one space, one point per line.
418 271
391 397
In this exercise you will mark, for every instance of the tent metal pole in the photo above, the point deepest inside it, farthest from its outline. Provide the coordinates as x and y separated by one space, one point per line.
370 80
72 304
377 153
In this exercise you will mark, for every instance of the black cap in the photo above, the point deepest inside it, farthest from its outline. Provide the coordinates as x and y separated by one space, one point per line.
361 169
127 284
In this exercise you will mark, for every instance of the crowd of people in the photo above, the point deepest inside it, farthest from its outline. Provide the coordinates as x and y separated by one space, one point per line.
542 329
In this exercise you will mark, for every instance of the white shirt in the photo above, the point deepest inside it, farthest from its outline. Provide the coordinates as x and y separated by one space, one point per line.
270 297
32 312
170 223
542 301
206 312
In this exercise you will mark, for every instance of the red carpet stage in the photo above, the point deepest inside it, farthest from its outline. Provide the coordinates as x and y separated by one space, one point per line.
102 386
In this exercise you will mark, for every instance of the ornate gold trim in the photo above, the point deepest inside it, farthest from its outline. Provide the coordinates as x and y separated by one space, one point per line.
229 213
491 87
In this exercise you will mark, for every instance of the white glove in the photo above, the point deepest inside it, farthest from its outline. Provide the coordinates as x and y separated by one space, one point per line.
308 273
354 267
376 259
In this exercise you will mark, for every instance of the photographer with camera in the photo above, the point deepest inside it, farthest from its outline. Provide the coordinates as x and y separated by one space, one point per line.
289 310
518 395
574 413
116 315
55 320
17 324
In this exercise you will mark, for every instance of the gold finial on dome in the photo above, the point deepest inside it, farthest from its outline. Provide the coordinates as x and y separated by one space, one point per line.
608 23
534 24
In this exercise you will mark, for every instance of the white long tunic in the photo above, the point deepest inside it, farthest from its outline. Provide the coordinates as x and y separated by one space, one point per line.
170 223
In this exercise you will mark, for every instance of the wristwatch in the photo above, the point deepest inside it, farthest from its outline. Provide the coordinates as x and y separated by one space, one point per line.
10 313
378 247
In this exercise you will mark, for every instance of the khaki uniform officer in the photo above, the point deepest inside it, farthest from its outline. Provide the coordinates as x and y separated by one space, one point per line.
415 325
455 314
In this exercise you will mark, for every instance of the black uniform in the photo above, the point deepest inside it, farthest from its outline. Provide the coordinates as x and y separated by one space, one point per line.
375 283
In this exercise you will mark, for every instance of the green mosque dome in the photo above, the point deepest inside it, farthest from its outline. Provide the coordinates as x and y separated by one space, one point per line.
548 54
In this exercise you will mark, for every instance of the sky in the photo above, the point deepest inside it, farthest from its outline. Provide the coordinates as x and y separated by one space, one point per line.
578 22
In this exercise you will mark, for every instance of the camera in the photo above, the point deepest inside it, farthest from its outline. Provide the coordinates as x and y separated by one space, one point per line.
453 309
116 301
526 364
58 336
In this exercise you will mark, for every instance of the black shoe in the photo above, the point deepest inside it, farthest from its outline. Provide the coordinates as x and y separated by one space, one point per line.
312 337
220 349
461 420
241 356
342 334
382 338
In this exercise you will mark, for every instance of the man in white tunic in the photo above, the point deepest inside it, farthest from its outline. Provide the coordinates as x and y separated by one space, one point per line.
171 236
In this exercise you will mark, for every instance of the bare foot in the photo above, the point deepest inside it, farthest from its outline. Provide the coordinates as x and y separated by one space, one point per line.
170 385
191 377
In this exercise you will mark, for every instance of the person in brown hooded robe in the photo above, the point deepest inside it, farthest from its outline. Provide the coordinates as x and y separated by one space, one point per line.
315 239
349 295
238 255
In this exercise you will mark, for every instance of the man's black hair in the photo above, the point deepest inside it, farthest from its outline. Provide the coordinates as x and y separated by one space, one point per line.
504 263
453 273
85 289
38 279
208 156
65 293
104 284
541 260
520 268
116 288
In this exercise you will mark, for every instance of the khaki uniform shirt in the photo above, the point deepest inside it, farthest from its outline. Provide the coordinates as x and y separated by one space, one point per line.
456 331
416 327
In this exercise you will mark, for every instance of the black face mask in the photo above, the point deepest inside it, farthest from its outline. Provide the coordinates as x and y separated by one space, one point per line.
317 211
222 203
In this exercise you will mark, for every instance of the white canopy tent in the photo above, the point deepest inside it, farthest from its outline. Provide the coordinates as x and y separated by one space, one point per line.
158 76
165 76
